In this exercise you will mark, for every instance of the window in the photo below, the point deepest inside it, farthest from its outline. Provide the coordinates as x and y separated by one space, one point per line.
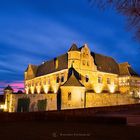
62 79
99 79
116 82
57 79
44 82
48 81
87 63
69 96
84 62
56 63
87 79
83 54
108 81
72 63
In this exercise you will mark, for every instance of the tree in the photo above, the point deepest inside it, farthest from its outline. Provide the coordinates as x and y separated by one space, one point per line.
128 8
19 92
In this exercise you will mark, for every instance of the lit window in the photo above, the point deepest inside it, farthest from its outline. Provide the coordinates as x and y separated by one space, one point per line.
99 79
69 95
108 81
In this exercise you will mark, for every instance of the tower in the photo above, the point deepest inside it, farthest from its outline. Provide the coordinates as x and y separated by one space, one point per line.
72 91
74 57
8 95
8 89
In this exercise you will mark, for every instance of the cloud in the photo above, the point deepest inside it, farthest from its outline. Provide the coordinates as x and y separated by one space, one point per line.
16 85
33 31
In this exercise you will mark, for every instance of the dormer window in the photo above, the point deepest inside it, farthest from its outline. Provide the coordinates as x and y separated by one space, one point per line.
87 63
56 63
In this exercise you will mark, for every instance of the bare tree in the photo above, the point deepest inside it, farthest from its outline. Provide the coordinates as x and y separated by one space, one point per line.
129 8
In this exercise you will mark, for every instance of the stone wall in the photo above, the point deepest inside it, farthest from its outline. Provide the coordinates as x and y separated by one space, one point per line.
106 99
51 101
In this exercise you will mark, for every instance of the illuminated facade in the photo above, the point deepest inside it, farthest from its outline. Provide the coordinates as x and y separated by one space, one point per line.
77 79
96 72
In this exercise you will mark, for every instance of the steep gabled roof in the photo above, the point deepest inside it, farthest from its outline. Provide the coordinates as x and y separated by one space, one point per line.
105 63
49 66
73 48
73 79
34 67
8 88
126 69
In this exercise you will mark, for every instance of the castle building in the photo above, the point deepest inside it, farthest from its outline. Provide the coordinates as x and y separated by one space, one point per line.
79 78
97 73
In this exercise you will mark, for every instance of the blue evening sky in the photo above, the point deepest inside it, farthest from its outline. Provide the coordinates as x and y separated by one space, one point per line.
32 31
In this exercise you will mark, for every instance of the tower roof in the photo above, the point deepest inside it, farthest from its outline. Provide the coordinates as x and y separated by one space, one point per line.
73 79
73 48
8 88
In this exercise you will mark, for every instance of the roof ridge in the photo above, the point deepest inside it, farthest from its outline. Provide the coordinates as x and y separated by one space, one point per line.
103 55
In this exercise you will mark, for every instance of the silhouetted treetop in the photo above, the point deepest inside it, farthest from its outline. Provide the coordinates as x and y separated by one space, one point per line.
129 8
